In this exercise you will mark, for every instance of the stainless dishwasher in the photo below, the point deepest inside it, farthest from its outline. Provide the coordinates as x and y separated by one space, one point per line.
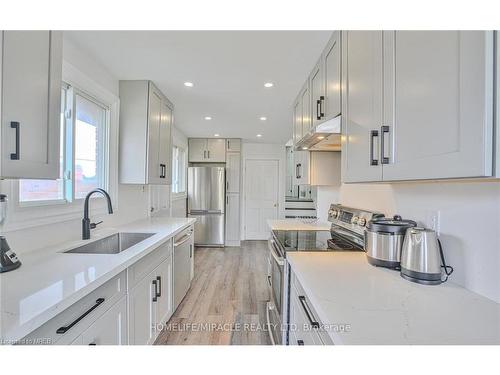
183 264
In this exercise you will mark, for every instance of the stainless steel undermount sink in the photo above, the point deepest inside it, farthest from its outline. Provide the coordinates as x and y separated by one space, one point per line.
113 244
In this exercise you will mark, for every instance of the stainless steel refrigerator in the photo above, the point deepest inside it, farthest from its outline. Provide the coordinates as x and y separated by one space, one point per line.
206 204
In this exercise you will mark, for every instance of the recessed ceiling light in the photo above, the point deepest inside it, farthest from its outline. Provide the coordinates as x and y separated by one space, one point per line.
208 118
188 84
216 135
259 135
304 148
263 118
268 84
321 137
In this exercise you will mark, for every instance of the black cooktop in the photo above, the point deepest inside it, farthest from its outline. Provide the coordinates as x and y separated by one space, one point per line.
313 241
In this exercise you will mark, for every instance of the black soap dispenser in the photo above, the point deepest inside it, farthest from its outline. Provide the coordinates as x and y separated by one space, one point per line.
8 259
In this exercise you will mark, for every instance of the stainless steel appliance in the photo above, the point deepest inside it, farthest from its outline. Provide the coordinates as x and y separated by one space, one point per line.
324 137
345 234
183 261
8 259
206 204
422 258
384 240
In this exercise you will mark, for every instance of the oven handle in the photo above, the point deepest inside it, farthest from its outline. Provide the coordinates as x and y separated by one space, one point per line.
271 337
277 258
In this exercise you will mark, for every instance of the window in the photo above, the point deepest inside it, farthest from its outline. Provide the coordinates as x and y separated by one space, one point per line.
178 170
84 147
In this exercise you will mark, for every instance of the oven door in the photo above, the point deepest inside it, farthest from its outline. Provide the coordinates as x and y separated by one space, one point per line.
276 266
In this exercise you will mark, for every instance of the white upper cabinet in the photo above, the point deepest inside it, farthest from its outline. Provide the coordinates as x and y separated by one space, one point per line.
146 120
305 99
316 85
331 63
30 109
216 150
426 112
438 104
203 150
297 120
197 150
361 105
233 145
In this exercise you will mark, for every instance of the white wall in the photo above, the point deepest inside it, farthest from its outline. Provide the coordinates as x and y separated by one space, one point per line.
133 200
263 151
178 206
325 195
469 222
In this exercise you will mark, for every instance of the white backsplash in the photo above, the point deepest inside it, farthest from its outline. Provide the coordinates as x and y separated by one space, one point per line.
469 213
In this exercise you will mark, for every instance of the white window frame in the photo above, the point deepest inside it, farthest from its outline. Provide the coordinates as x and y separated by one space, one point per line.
32 214
182 194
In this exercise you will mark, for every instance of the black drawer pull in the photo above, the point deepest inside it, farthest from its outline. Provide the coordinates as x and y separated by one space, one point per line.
155 297
159 286
63 330
313 321
17 126
269 280
300 342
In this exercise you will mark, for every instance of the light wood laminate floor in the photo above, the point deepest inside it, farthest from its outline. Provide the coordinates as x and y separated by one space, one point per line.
226 304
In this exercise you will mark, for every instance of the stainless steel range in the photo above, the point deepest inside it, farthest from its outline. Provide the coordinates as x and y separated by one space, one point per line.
346 234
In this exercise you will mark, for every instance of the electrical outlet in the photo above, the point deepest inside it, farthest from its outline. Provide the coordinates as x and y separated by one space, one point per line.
434 221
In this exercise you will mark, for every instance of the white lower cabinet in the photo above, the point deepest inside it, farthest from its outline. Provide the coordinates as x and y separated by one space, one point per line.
142 312
110 328
131 308
305 328
151 303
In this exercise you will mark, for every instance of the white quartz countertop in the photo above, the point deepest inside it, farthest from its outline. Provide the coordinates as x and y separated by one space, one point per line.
380 307
297 224
49 281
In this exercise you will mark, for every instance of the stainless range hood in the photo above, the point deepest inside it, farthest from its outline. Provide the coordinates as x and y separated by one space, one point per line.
324 137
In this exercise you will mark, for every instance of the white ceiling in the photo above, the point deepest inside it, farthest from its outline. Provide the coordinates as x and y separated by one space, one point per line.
228 69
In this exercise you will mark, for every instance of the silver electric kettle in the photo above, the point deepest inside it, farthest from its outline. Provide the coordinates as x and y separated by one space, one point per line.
422 258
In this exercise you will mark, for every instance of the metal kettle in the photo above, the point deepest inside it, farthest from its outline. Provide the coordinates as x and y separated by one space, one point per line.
422 258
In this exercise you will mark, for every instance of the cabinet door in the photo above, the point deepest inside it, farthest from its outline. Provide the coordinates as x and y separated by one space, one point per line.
142 312
233 172
361 105
197 150
165 144
306 110
301 168
31 103
442 124
297 121
110 328
331 77
232 217
154 119
216 150
233 145
317 94
164 304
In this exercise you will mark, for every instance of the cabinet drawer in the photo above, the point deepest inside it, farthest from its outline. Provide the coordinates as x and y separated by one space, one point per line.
110 328
79 316
137 271
317 336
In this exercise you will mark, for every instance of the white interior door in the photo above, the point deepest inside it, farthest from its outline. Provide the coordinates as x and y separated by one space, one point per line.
261 197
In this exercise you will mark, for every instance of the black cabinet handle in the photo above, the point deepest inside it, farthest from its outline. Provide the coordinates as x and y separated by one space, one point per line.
299 175
190 250
16 125
313 321
318 104
300 342
321 113
204 154
208 152
163 171
158 278
155 297
92 344
269 280
383 130
63 330
373 134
